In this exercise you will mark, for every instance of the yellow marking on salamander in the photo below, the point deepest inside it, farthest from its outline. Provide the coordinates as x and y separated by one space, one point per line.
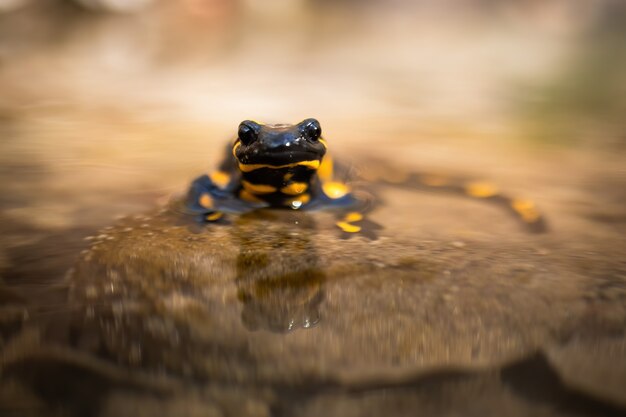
214 216
480 189
206 201
220 178
295 188
325 171
348 228
353 216
249 197
257 188
288 176
323 142
315 164
434 180
335 189
235 147
526 209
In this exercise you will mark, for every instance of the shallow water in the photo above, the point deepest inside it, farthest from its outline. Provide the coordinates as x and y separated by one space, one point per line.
111 304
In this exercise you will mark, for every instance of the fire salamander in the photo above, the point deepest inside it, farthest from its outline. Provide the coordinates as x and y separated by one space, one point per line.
287 166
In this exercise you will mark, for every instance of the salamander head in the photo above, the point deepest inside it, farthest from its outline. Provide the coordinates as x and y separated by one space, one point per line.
279 146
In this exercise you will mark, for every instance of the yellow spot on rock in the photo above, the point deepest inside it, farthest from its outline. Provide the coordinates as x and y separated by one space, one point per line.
481 189
257 188
295 188
348 228
334 189
214 216
206 201
353 217
220 178
526 209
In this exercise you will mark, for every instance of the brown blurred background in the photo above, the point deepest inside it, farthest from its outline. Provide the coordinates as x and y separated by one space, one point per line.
102 98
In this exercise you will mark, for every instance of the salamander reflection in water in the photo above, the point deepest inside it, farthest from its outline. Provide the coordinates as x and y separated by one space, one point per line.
279 279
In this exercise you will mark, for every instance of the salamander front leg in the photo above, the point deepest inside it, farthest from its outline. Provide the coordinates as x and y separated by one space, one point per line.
202 200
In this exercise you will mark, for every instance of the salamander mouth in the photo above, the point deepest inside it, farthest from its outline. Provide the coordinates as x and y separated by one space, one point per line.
279 159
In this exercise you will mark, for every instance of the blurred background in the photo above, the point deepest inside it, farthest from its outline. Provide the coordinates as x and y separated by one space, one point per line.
138 94
110 107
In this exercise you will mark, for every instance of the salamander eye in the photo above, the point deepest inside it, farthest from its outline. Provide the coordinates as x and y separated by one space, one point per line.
311 129
247 132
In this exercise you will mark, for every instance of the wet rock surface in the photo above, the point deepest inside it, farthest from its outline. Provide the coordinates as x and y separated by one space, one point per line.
273 307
